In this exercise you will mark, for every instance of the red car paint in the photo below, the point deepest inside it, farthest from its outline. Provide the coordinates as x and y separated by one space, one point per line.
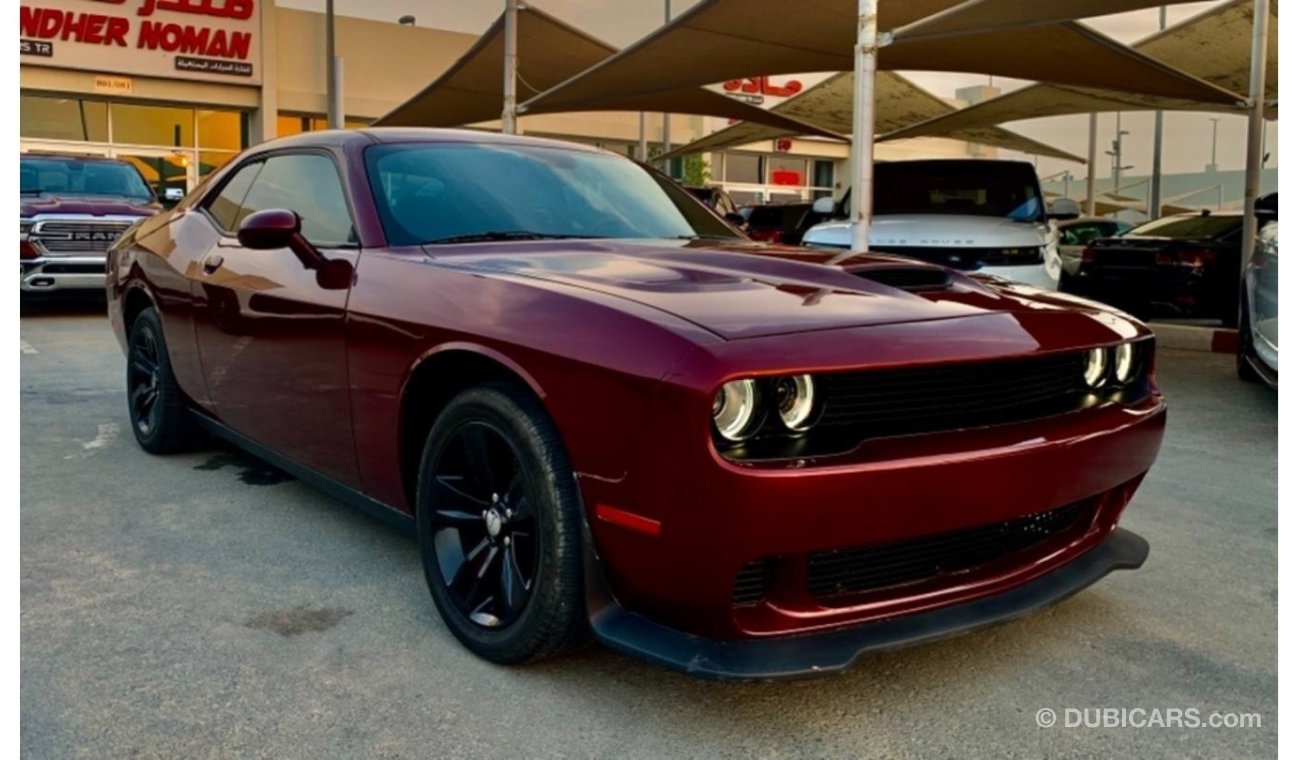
626 343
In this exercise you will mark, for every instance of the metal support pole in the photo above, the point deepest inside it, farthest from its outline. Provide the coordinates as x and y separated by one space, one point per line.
510 107
642 150
1090 205
1214 145
337 117
333 100
1158 150
864 124
667 134
1255 136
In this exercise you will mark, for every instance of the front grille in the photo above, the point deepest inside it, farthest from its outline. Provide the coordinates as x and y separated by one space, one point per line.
753 582
70 237
953 396
852 571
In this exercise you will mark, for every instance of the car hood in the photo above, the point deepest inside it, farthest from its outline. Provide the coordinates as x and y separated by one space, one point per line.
935 230
743 290
89 205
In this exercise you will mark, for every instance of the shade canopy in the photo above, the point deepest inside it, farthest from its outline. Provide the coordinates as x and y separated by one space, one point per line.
829 105
728 39
550 51
1214 46
986 15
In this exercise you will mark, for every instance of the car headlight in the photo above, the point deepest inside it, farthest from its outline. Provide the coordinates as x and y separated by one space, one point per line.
1126 364
1094 368
735 409
794 401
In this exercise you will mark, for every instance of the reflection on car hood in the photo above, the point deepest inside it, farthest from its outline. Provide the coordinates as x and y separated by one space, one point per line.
89 205
930 230
743 290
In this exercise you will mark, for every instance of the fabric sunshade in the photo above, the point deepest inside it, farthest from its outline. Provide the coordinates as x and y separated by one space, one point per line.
551 51
830 105
1214 46
728 39
984 15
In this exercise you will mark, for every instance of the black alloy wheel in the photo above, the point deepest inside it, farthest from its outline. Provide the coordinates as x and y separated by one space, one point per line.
160 418
500 527
484 528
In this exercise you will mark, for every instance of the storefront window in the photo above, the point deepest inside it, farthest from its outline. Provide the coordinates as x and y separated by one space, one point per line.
152 125
786 171
63 118
823 174
221 129
211 160
744 167
291 124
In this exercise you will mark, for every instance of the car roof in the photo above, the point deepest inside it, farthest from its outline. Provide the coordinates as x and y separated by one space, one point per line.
390 135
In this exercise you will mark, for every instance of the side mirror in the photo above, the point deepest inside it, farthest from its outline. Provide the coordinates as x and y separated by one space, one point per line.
824 205
1064 208
275 228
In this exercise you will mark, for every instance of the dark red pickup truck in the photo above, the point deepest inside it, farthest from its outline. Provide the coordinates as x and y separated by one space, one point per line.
73 209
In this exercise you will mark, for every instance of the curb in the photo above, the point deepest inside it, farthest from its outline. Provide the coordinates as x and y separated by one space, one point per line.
1192 338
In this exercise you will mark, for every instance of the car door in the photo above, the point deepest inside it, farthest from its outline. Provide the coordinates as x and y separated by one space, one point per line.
1262 282
270 337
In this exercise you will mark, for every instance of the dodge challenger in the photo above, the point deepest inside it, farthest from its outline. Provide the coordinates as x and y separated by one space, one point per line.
603 412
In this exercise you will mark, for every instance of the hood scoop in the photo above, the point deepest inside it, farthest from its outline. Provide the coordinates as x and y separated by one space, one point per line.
910 277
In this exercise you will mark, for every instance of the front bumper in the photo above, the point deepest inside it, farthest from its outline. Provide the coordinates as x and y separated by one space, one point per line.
63 273
835 650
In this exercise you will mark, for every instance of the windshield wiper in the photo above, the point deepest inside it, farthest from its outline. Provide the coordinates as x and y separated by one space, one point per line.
495 235
706 237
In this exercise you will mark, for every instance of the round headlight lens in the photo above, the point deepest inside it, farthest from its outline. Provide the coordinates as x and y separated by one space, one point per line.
1094 369
1125 363
794 401
735 408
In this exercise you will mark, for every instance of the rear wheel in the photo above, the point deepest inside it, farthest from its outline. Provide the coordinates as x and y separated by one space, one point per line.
159 417
499 527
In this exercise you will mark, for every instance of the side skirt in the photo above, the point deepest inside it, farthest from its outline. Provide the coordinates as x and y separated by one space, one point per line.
331 487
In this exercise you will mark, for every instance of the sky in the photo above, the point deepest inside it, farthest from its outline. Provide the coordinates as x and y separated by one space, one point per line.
621 22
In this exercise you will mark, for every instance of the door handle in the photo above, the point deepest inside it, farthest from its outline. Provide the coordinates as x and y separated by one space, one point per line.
212 263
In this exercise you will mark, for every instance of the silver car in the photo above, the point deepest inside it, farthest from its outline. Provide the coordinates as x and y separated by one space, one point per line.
1257 331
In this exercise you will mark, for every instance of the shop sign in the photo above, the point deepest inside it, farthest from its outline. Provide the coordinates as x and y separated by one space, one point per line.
787 177
188 39
756 90
114 85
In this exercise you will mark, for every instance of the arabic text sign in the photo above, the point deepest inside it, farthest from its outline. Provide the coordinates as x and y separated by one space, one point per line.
191 39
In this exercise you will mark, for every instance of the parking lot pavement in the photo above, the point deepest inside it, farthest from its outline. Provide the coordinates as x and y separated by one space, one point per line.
206 605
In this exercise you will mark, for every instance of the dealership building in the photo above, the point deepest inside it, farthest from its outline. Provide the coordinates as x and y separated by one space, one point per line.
179 87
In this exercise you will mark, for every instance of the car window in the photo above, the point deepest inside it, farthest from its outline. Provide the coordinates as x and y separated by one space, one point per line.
1081 234
74 176
1189 227
224 206
429 192
308 184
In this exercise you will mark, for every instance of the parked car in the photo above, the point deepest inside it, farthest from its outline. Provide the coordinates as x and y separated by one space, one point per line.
1257 330
1189 264
72 209
603 411
1075 234
982 216
776 223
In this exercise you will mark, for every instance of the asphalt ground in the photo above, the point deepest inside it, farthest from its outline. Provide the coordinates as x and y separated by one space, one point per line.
207 605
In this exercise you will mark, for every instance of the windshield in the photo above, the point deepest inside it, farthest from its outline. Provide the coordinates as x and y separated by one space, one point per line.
1188 227
1006 189
72 176
460 192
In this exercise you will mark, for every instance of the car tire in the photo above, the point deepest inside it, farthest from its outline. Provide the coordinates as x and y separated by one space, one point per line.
160 418
1245 346
498 511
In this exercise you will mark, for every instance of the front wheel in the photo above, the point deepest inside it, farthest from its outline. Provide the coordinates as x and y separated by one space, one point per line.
499 527
159 417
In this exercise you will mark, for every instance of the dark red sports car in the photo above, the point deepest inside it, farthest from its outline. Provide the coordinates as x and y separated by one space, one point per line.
605 412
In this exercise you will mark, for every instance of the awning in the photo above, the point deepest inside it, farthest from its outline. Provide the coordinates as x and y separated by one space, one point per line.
727 39
550 51
829 105
1214 46
986 15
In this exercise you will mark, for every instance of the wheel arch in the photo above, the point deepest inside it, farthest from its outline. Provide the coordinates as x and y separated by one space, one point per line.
433 381
135 300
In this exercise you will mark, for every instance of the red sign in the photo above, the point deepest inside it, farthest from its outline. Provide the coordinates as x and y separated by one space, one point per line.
763 86
787 177
784 144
